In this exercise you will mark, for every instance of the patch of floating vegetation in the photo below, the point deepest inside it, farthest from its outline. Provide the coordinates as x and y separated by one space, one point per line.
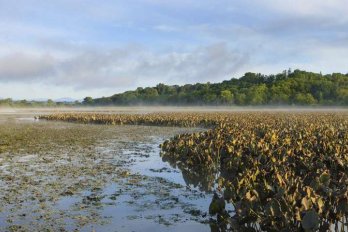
40 165
280 171
59 177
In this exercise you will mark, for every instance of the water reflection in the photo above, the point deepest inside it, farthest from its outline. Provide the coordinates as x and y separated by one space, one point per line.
198 178
243 216
205 179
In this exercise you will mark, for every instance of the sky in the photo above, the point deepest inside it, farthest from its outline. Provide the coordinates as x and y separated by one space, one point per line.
78 48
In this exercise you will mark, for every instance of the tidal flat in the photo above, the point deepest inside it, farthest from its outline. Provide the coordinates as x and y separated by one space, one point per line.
58 176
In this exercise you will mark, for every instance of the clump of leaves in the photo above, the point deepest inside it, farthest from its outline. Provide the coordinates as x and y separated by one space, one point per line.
279 170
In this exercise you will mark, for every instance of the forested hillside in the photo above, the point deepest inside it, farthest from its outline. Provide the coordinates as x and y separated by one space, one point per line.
287 88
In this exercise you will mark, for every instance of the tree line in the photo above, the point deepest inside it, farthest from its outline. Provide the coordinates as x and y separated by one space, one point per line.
286 88
9 102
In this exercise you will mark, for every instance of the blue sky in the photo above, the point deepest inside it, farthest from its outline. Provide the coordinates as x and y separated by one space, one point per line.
78 48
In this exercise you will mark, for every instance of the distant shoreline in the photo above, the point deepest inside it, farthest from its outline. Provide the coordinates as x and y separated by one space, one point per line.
149 109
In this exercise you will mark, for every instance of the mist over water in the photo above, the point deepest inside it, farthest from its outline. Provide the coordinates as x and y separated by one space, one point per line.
151 109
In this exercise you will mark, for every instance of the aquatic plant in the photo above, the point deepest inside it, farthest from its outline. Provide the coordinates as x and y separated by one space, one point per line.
279 170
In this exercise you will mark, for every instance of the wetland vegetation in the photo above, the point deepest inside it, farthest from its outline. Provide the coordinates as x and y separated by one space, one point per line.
58 176
213 171
278 171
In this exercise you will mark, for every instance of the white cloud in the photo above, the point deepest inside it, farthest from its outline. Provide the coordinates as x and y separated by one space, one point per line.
25 67
128 67
84 46
319 8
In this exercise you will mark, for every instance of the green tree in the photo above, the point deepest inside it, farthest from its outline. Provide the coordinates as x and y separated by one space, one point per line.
150 94
299 87
240 98
129 97
342 95
88 101
226 96
257 95
50 102
280 94
23 102
305 99
210 98
6 102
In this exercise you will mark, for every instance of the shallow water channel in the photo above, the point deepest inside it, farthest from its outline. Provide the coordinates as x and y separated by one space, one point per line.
65 176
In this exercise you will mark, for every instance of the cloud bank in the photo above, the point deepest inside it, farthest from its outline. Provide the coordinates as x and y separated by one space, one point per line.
123 67
88 46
